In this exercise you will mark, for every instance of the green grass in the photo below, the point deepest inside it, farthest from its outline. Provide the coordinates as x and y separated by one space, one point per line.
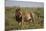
11 23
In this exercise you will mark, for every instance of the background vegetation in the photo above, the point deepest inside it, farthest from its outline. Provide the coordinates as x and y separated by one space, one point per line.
11 23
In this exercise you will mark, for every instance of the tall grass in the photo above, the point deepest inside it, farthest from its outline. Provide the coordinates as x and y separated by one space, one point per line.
11 23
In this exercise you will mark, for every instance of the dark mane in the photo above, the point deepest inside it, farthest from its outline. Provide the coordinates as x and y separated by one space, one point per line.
18 18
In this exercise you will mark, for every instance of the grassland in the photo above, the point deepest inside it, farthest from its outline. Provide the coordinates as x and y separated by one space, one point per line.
11 23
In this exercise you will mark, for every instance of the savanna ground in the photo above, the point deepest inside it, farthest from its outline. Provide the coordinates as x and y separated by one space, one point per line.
11 23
